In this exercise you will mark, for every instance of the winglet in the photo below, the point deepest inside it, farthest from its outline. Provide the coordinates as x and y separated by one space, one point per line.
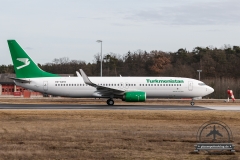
78 74
85 78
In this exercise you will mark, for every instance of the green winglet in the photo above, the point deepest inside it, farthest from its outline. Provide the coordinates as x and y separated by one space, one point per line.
24 66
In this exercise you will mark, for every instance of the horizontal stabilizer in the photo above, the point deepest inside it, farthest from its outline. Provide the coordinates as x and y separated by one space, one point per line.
20 80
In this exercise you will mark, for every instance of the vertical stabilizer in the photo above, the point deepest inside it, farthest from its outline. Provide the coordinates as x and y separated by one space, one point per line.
24 66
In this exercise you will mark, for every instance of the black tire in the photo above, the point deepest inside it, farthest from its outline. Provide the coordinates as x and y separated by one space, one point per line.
110 102
192 103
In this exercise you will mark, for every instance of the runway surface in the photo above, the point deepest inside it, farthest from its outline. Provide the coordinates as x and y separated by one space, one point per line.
116 107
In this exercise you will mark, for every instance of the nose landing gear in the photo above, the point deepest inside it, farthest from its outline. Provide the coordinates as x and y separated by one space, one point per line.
192 103
110 102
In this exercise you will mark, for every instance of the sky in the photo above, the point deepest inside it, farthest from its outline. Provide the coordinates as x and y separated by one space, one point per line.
48 29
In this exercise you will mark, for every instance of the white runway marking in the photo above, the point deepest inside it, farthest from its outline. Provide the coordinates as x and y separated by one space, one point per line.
224 108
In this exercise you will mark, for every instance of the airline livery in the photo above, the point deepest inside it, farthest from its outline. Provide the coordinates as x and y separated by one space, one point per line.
129 89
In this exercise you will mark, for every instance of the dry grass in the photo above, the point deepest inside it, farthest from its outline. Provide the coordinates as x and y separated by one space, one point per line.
89 134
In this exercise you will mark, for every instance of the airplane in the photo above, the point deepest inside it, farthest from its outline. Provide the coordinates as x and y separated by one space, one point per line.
214 132
129 89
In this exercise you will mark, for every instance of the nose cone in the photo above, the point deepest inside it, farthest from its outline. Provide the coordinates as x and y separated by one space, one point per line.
210 90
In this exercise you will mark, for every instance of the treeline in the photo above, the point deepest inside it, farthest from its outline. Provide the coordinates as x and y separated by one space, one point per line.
6 69
216 64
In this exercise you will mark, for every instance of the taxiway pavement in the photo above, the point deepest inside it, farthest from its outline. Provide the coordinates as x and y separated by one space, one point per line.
118 107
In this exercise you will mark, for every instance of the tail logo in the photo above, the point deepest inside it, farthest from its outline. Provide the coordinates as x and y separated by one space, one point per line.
25 61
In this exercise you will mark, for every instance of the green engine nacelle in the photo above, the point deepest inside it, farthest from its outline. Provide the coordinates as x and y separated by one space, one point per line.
134 96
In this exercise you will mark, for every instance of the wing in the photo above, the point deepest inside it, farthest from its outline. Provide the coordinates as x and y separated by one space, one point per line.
219 134
209 134
101 90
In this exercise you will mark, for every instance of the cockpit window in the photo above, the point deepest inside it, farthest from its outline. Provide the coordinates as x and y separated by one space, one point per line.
201 84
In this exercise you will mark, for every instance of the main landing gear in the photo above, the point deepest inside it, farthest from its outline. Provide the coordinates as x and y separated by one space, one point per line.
110 102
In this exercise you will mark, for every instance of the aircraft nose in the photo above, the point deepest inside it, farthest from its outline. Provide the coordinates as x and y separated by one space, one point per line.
210 89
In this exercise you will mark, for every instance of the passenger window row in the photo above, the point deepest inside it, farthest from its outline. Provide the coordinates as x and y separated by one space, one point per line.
63 84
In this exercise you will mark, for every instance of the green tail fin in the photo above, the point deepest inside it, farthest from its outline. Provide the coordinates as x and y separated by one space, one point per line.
23 64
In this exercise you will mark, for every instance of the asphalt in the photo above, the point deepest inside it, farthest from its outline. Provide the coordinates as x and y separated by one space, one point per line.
115 107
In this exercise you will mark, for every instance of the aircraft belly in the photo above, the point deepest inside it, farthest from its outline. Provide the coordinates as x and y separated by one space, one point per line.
159 94
168 94
80 93
71 92
30 86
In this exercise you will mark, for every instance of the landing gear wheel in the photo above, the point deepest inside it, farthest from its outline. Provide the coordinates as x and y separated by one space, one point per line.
110 102
192 103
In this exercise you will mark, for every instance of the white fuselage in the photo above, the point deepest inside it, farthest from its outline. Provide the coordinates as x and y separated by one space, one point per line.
75 86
